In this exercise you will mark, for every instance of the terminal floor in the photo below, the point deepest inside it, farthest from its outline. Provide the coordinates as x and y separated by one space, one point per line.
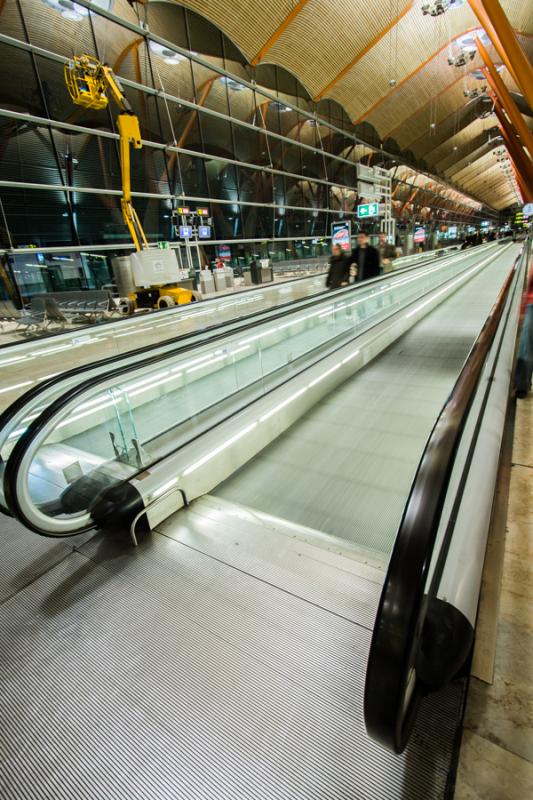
187 669
345 468
178 670
497 747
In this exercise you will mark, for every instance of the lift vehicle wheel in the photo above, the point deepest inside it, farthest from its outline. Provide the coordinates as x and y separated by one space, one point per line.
166 301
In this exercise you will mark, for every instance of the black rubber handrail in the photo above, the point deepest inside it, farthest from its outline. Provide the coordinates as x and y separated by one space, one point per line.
392 689
10 476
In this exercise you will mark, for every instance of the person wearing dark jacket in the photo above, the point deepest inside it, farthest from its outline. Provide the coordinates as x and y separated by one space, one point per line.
524 360
339 268
366 259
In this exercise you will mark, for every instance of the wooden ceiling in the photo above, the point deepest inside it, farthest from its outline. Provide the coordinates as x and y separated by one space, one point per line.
350 52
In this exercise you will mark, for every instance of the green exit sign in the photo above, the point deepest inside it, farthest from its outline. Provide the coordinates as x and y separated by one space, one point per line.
368 210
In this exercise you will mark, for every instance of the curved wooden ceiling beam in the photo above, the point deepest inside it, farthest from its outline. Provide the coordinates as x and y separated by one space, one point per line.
411 145
133 45
412 74
420 68
300 5
364 51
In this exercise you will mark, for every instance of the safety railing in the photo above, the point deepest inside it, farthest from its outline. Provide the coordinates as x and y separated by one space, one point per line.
405 631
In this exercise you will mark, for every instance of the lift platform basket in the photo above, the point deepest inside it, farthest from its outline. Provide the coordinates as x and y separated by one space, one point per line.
86 82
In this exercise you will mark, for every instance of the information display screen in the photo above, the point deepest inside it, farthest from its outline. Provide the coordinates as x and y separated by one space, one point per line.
420 235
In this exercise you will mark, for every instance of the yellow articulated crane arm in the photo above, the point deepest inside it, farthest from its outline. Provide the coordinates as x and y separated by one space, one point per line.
89 82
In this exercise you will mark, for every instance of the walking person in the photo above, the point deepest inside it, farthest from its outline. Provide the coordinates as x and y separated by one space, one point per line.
339 268
387 253
365 258
524 360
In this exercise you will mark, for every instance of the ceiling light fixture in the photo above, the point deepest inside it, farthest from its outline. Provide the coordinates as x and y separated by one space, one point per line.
232 84
438 7
73 11
468 40
462 59
169 56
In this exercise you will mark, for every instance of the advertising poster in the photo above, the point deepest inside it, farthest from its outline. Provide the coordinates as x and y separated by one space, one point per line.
420 235
341 234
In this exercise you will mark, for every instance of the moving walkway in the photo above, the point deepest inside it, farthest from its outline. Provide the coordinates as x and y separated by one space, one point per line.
108 422
299 615
26 364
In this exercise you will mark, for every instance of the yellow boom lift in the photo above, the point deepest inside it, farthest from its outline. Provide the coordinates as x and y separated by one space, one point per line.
89 83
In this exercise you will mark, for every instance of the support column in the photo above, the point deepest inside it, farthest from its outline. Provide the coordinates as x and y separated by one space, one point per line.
521 69
523 166
500 90
479 10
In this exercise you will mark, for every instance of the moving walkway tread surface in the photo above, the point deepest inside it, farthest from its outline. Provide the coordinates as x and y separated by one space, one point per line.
169 673
346 467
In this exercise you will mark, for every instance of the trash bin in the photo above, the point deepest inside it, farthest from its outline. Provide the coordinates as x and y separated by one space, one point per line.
261 271
207 282
223 279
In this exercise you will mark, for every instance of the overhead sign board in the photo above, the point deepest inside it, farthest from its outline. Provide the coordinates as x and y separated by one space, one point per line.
341 234
368 210
369 190
202 212
204 232
185 231
365 173
184 210
420 235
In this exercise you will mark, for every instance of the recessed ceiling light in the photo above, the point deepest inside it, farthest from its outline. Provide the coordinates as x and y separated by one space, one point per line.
169 56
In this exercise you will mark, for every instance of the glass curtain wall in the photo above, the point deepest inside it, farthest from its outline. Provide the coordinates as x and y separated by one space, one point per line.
271 165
